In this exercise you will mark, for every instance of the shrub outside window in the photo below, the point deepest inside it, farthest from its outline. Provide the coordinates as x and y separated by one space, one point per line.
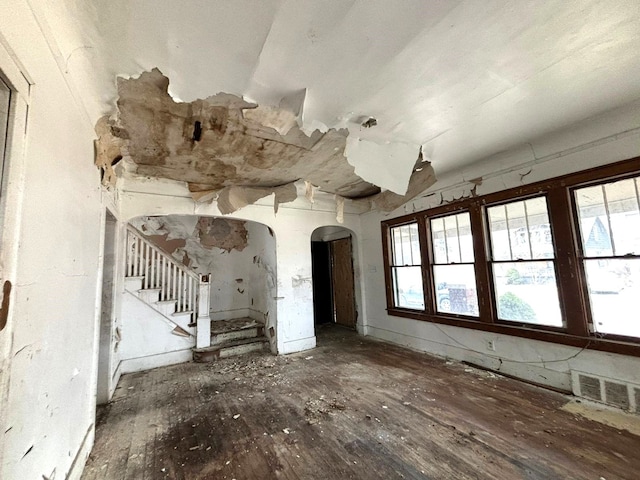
609 224
406 270
523 265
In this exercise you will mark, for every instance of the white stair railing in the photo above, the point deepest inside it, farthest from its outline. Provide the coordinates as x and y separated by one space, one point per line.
175 282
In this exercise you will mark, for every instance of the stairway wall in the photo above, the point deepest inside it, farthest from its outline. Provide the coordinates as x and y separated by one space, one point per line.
238 255
148 339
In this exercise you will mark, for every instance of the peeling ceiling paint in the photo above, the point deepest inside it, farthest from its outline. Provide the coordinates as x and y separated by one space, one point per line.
461 78
238 152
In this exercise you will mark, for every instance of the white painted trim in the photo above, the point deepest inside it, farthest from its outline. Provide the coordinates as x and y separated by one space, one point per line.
299 345
13 70
140 364
77 467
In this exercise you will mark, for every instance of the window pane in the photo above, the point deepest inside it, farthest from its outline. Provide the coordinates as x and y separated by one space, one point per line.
500 242
407 282
527 292
614 293
465 238
415 244
451 233
520 230
405 245
451 238
439 243
456 289
610 218
397 246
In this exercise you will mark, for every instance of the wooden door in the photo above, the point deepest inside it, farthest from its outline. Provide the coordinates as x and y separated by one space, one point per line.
342 282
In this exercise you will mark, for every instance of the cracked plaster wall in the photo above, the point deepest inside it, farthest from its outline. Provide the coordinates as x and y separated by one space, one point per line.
49 409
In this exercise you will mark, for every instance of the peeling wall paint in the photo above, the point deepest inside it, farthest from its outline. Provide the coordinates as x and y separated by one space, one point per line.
222 233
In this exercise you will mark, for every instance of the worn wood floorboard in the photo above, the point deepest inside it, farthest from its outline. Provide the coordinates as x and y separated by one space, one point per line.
350 409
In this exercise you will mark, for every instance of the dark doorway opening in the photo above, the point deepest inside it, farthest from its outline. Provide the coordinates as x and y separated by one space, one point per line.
333 277
322 294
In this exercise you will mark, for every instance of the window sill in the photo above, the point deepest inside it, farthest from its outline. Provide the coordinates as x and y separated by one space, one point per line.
545 334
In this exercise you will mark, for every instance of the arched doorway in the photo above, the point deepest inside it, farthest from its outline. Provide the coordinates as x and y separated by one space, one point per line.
334 295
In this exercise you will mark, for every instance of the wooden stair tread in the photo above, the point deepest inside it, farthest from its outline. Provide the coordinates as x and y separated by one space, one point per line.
225 326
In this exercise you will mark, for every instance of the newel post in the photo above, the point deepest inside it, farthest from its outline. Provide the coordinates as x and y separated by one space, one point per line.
203 322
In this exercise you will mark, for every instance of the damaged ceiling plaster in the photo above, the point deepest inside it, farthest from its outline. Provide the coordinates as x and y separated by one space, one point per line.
237 152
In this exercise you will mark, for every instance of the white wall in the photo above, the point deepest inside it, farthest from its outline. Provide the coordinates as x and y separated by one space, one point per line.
50 409
148 340
292 225
608 138
262 288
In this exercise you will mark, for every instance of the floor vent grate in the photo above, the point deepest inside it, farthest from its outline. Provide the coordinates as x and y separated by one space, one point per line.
590 387
615 393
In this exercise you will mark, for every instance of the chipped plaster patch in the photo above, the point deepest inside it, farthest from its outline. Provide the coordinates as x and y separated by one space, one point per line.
225 234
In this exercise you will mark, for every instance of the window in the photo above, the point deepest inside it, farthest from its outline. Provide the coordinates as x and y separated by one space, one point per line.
609 224
453 268
406 270
523 263
557 261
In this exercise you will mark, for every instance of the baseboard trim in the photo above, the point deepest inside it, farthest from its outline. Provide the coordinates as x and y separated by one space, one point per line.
149 362
298 345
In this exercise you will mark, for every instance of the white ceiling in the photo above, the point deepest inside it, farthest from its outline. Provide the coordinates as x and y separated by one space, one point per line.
462 79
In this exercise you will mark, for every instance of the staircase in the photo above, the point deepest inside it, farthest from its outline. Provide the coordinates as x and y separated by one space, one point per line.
233 337
182 297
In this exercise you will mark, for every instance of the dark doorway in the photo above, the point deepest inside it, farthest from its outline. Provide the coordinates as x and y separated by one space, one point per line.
321 271
333 279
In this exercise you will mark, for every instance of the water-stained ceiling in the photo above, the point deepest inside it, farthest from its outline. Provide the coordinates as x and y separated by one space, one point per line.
457 80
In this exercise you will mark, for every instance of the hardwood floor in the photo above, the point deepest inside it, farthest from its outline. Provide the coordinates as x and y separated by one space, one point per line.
350 409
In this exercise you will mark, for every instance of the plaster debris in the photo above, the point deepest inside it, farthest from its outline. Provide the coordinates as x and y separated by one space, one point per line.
108 149
179 331
225 234
388 201
235 143
309 190
339 209
231 199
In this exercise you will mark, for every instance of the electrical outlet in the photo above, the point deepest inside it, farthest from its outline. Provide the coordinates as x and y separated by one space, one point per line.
491 345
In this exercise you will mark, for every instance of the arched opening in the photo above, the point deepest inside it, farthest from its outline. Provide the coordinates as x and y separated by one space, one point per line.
333 272
210 282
